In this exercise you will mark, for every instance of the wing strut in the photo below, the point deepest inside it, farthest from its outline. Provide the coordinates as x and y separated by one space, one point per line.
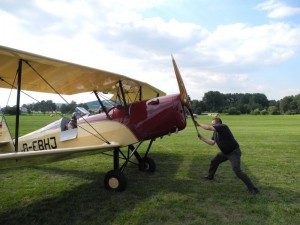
123 96
18 105
102 105
140 93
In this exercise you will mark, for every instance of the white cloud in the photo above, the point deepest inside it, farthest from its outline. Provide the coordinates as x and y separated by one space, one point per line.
278 9
117 36
250 46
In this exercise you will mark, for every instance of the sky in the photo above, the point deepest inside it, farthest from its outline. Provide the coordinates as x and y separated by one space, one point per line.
230 46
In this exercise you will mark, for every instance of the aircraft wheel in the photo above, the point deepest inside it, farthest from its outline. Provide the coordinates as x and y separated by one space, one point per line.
115 180
148 165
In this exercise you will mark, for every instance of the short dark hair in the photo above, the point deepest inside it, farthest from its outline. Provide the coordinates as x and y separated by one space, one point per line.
218 120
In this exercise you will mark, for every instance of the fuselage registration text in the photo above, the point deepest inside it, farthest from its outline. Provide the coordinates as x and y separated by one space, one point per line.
42 144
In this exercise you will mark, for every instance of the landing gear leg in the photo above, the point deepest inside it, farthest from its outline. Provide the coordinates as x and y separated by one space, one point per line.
115 180
146 164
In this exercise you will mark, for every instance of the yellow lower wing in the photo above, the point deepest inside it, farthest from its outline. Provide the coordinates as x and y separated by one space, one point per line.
18 159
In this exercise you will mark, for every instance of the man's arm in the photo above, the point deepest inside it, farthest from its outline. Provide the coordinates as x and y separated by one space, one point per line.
207 141
204 126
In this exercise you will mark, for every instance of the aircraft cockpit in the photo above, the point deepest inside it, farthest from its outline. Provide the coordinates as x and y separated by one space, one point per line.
80 112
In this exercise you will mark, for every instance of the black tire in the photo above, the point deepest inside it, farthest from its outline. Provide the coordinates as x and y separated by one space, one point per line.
115 180
148 165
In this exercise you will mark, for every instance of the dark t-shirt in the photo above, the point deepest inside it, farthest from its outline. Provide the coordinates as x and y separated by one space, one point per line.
224 138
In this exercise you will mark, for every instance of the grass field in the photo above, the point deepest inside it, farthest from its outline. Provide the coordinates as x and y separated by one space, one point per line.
72 191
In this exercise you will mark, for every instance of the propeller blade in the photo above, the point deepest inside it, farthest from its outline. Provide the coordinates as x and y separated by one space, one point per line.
183 93
185 99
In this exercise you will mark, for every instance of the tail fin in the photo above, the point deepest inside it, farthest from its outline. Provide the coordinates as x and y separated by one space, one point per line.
6 142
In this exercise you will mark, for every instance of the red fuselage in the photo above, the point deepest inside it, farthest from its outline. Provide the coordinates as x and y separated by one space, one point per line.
149 119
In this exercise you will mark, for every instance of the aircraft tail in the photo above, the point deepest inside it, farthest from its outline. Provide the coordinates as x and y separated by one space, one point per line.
6 142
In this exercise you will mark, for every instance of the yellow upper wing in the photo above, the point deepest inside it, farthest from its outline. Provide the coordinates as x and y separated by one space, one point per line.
67 78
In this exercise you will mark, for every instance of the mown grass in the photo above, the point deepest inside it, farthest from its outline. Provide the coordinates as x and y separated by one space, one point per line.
29 122
72 191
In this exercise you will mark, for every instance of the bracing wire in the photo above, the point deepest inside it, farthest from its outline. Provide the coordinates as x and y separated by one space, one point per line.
101 136
108 100
12 86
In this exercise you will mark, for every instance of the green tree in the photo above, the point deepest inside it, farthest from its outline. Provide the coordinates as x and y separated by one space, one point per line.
197 106
66 109
297 100
214 101
264 112
285 104
233 111
255 111
258 100
10 110
50 106
274 110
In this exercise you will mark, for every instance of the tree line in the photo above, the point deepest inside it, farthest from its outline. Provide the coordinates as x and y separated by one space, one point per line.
213 101
237 103
43 107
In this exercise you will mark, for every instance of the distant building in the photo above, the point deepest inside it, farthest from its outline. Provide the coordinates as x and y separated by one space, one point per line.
24 110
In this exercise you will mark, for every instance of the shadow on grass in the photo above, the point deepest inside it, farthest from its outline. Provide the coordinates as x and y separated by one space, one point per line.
227 199
90 203
148 197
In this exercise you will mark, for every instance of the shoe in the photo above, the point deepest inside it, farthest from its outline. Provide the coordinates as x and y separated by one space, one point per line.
253 191
208 177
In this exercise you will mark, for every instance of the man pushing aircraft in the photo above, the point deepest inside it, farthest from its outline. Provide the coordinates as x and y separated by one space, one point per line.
230 150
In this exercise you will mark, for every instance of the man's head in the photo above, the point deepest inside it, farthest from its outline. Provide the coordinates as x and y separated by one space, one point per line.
216 121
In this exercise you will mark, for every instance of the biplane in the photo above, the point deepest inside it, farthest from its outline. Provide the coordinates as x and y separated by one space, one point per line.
140 113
